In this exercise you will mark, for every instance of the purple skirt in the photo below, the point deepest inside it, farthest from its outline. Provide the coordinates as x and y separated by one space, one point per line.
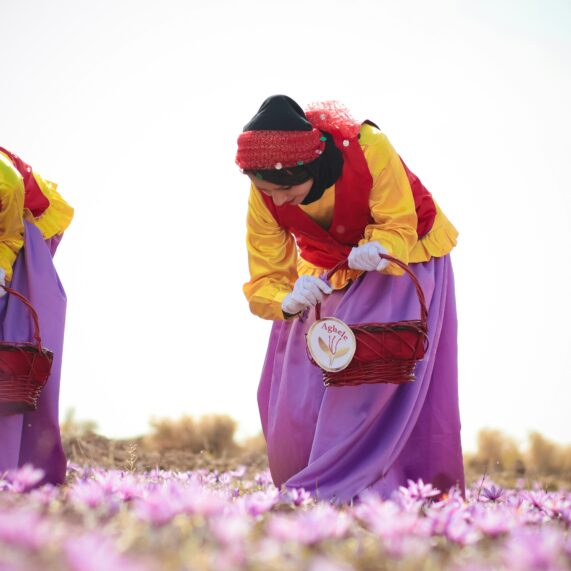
339 441
34 437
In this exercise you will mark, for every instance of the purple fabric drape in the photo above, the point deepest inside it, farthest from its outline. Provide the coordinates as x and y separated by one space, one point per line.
337 442
34 437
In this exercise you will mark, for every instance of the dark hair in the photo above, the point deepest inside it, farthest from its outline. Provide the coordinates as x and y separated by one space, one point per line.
287 176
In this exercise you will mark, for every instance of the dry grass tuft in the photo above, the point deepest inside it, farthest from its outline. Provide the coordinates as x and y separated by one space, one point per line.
209 442
255 444
499 456
546 457
496 451
184 444
212 433
71 427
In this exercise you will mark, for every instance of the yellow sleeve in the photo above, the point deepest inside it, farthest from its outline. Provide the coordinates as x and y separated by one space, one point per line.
57 216
11 214
272 260
391 199
438 242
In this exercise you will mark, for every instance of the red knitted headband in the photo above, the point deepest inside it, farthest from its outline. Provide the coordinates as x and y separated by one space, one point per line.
264 150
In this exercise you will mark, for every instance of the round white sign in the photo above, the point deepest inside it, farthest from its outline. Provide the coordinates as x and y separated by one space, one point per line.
331 344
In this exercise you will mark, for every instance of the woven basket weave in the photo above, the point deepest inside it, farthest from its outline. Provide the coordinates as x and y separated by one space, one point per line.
385 352
24 369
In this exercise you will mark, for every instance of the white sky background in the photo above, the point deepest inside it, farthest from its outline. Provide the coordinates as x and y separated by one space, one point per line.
134 107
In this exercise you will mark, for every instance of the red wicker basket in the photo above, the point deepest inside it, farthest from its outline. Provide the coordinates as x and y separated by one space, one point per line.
24 369
384 352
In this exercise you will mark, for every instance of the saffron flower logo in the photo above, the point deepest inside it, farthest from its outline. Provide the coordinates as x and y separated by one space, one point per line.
331 344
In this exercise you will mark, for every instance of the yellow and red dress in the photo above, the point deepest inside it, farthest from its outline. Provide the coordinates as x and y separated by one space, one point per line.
33 217
273 254
337 442
26 196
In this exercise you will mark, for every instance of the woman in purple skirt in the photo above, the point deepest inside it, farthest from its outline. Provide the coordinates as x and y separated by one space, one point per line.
33 217
326 188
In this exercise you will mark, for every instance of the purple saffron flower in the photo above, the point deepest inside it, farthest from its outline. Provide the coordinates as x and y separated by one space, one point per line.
109 480
369 505
123 485
390 523
440 518
493 493
321 522
263 479
231 529
321 563
311 527
158 508
493 523
537 498
533 549
238 472
536 507
565 516
451 498
406 546
258 503
296 496
87 494
197 500
415 495
155 474
460 531
45 494
4 484
556 505
94 552
25 478
474 567
23 528
514 501
281 528
73 468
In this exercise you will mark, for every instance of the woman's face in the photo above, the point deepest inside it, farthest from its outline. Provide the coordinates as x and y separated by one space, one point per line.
283 194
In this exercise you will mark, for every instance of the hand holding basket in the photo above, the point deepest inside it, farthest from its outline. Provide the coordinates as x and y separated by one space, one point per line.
382 352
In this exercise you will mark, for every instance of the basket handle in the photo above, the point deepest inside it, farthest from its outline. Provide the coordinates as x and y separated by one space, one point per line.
32 311
343 264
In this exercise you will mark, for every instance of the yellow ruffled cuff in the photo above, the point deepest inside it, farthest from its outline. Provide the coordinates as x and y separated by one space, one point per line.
267 307
438 242
338 280
57 217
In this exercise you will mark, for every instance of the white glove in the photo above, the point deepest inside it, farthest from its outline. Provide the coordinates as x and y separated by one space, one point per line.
307 291
366 257
2 282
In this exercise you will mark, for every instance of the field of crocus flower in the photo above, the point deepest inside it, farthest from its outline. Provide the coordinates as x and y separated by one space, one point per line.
129 520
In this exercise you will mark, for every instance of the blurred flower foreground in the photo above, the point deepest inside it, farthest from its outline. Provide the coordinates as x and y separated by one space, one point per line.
132 518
